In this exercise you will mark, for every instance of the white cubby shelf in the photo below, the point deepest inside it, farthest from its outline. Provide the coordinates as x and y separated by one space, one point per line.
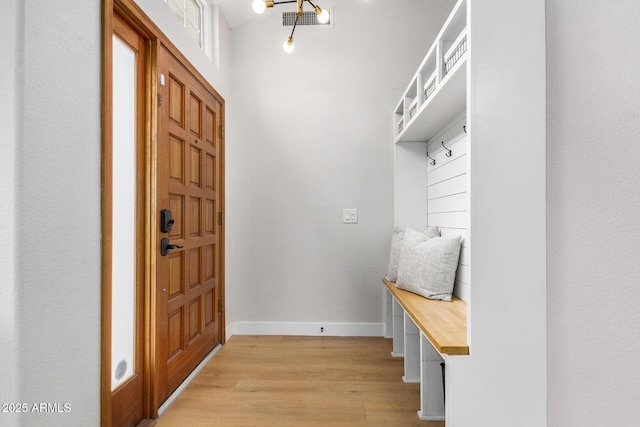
438 90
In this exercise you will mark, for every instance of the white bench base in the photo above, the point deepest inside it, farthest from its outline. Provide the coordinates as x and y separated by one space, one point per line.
421 362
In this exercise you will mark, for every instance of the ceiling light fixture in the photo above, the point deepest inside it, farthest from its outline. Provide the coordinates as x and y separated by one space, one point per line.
259 6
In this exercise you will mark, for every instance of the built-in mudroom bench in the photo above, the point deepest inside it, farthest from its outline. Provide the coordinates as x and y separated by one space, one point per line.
425 332
470 155
443 323
431 159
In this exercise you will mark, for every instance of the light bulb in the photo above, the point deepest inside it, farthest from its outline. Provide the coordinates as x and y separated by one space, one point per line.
287 46
323 17
258 6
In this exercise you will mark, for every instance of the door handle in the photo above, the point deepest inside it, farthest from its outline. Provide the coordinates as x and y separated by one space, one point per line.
165 246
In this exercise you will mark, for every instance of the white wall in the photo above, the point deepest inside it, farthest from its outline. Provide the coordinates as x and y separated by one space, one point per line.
9 121
55 108
310 134
593 77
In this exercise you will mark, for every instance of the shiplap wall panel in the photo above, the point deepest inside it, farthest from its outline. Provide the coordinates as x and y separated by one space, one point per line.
446 168
462 290
464 256
452 232
447 195
455 185
457 220
463 274
452 203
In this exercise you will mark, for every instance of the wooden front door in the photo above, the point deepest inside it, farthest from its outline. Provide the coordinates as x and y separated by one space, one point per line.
190 169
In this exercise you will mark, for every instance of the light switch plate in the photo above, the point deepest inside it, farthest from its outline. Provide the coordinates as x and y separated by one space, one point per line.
350 216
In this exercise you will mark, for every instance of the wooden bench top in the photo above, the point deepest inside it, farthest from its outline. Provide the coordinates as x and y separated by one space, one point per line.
444 323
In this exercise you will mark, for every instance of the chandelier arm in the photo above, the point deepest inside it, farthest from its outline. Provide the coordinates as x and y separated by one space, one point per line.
284 1
294 27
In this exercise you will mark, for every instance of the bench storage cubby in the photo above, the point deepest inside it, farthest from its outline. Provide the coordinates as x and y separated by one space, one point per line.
426 332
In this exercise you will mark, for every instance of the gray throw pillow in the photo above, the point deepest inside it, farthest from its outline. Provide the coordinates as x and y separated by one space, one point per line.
427 266
396 248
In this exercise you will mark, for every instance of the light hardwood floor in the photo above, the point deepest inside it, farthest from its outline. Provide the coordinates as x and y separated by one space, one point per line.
299 381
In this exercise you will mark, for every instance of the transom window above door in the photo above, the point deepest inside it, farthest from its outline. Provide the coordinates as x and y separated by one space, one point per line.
190 13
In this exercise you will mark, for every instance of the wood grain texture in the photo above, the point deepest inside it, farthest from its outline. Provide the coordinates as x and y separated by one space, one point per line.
185 339
299 381
444 323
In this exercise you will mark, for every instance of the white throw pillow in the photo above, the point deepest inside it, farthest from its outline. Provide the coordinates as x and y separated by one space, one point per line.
396 249
427 266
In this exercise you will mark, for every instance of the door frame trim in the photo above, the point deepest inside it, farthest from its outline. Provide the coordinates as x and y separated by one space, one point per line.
109 9
132 14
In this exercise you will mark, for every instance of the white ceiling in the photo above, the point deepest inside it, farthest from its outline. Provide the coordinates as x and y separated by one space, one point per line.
236 11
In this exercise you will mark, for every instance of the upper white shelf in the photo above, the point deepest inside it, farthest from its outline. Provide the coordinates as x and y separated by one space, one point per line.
448 101
438 91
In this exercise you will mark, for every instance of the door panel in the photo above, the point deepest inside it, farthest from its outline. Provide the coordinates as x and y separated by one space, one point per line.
188 289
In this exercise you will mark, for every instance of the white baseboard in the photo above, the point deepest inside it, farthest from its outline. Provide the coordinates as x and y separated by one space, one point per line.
306 329
410 380
430 417
229 331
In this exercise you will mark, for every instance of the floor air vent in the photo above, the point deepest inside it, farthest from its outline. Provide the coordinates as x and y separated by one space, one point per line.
309 19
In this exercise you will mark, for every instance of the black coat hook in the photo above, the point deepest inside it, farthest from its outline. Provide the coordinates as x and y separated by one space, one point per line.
464 128
433 161
448 153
